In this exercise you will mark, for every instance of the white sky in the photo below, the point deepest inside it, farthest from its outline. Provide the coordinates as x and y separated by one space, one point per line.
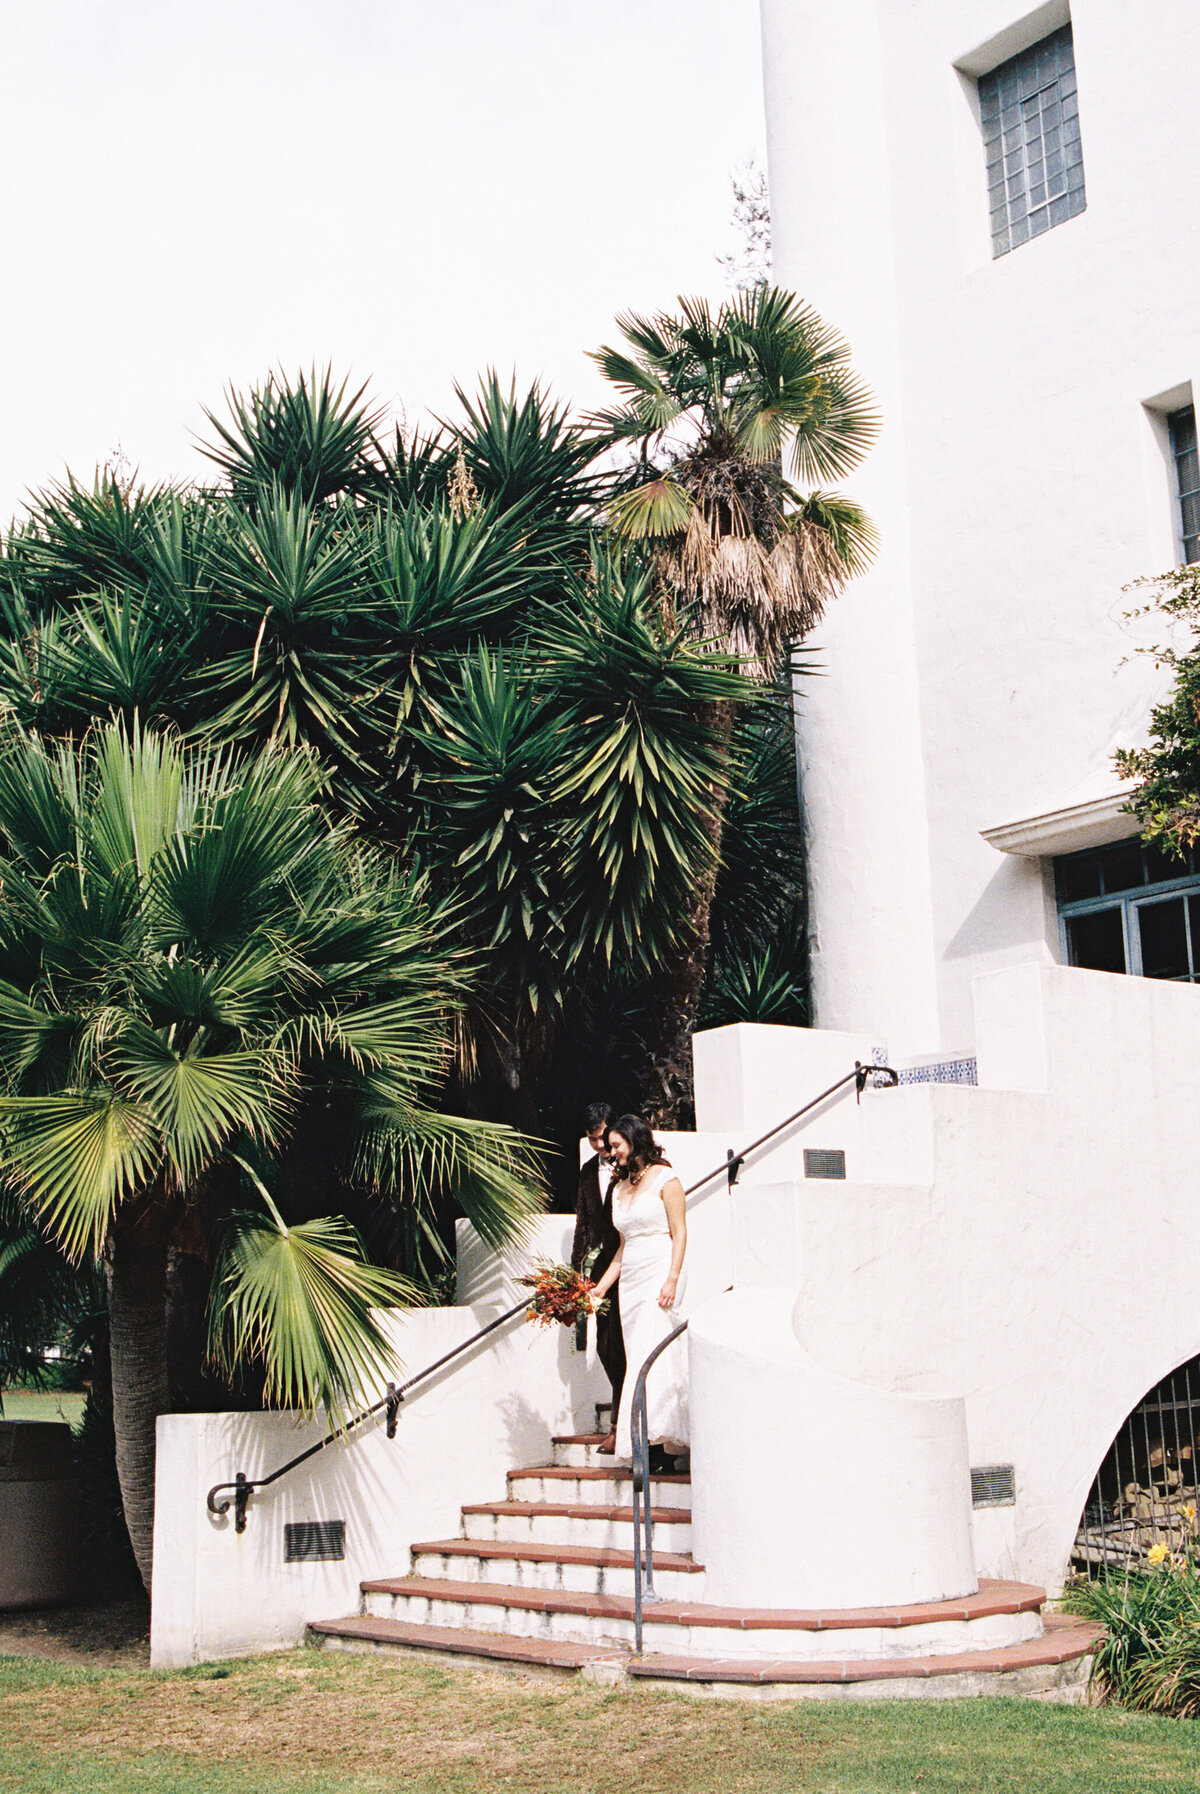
196 191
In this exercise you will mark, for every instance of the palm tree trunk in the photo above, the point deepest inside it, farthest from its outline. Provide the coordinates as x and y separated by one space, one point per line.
668 1083
137 1313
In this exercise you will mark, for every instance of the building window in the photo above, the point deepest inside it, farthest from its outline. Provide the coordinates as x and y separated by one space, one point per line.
1030 116
1182 425
1131 908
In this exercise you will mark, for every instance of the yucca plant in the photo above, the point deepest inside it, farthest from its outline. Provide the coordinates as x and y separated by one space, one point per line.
306 438
643 773
191 956
527 455
762 983
567 788
494 839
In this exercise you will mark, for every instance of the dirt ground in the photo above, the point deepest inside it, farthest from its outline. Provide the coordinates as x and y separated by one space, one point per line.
115 1635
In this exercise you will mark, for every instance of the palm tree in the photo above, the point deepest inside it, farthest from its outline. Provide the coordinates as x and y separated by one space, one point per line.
193 961
717 405
428 618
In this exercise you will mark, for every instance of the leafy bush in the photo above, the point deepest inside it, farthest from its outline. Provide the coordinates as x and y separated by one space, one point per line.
1166 797
1150 1659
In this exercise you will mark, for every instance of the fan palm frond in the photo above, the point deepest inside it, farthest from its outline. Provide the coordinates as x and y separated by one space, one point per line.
75 1157
760 379
302 1302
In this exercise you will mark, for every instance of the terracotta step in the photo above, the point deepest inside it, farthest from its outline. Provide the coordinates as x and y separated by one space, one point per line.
1055 1666
585 1569
1065 1641
594 1473
584 1451
571 1523
366 1633
1000 1616
573 1554
578 1482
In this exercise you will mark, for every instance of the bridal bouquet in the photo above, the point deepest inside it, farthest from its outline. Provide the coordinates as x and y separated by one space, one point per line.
560 1293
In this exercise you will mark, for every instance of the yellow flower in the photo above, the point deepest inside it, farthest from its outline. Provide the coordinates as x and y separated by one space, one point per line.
1189 1513
1156 1555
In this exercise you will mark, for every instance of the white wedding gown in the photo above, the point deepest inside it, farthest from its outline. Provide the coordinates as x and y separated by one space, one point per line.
641 1220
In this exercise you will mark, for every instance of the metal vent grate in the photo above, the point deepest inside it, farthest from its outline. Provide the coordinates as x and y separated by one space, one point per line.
311 1541
821 1161
994 1485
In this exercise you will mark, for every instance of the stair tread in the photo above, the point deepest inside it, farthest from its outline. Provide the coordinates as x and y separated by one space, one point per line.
993 1599
602 1555
585 1473
578 1510
1063 1644
556 1654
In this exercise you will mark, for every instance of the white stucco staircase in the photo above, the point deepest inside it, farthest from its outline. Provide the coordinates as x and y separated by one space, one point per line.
544 1580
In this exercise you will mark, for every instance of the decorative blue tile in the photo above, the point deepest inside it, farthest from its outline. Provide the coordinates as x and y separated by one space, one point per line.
944 1071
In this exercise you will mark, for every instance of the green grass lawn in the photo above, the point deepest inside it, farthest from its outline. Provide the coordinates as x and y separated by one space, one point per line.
310 1723
44 1404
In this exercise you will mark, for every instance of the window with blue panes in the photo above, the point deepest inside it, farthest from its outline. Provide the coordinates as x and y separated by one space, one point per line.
1182 426
1131 908
1029 111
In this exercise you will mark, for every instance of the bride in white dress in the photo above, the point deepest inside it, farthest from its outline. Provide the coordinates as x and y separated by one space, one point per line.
649 1213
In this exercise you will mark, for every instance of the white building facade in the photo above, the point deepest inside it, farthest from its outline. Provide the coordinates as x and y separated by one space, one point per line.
921 1317
995 206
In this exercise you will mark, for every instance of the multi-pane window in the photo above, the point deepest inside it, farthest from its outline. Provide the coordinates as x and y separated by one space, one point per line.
1131 908
1182 425
1030 115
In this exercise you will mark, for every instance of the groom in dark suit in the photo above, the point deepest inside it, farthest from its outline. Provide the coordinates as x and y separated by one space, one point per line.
594 1229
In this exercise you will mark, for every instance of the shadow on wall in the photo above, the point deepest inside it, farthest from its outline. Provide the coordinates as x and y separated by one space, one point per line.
1014 909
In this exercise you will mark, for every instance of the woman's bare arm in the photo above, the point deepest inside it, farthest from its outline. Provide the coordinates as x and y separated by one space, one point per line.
676 1207
612 1273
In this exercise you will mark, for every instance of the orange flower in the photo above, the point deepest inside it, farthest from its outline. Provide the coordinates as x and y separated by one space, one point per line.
560 1293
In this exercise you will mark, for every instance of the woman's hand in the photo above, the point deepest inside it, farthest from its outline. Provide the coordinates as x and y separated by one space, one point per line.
666 1295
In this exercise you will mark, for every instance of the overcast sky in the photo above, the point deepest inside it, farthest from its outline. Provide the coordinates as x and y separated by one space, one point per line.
196 191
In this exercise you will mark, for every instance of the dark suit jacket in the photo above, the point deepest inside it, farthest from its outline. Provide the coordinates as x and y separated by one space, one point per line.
593 1221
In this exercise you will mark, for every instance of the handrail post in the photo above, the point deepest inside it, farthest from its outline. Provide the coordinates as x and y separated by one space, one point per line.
637 1530
394 1398
643 1506
241 1496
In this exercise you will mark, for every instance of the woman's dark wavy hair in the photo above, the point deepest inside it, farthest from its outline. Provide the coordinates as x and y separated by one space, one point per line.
645 1148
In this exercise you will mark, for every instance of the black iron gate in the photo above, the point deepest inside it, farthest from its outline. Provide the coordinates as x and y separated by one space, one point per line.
1147 1490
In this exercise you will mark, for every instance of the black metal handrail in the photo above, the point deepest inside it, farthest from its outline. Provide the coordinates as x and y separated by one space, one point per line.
643 1519
242 1487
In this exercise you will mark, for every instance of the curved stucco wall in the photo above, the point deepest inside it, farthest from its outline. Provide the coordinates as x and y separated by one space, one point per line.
1028 1243
810 1490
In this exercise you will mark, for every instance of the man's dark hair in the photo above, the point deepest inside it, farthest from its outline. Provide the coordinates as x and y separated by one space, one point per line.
597 1115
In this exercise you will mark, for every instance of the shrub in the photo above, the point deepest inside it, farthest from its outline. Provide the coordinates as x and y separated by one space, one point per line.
1150 1658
